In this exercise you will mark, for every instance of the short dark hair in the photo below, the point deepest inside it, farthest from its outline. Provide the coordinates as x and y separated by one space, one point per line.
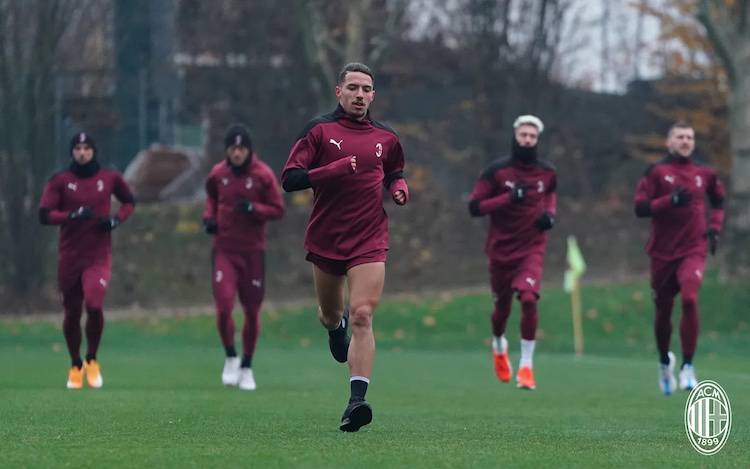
354 67
679 125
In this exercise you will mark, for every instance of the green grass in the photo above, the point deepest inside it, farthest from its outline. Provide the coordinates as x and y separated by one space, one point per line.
436 401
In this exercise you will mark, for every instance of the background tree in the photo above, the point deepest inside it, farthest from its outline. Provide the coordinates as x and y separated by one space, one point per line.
727 23
31 32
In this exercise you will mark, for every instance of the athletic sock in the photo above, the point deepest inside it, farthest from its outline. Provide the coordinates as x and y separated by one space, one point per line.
231 352
90 356
247 361
686 360
499 344
77 362
527 353
358 386
664 358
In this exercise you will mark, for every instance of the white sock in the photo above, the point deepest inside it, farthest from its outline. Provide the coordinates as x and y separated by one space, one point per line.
499 344
527 353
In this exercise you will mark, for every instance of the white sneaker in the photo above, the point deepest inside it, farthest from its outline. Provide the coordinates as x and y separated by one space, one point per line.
230 376
247 380
687 378
667 382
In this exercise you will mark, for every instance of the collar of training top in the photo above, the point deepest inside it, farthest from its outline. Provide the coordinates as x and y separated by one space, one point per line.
347 120
672 158
242 169
84 170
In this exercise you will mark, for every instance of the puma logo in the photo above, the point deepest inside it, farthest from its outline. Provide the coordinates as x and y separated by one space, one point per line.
510 184
669 179
73 186
338 144
530 281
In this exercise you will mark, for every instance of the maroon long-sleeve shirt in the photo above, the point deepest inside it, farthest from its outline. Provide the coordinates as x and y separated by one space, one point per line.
513 233
347 218
679 231
65 192
237 230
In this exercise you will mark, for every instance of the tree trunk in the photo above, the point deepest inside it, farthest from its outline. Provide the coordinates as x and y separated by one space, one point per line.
738 212
727 28
355 31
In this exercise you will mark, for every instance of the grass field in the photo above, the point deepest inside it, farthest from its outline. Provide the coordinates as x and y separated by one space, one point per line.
436 401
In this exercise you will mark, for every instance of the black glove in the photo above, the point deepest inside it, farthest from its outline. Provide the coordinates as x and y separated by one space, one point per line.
545 221
713 240
681 197
109 223
518 192
210 226
81 213
245 206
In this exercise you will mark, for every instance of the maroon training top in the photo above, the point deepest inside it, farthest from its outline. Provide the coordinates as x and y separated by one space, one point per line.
513 233
65 192
679 231
347 218
226 188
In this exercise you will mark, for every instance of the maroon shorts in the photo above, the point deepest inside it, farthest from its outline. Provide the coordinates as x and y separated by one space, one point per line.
234 273
340 267
524 275
84 280
668 278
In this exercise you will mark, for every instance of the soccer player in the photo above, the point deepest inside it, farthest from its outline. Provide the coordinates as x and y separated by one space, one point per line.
518 193
673 194
242 194
79 200
347 158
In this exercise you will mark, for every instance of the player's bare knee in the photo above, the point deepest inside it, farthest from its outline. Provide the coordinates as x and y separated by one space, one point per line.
361 315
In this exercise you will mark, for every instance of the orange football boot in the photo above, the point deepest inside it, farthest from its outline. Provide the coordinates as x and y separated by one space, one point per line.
525 378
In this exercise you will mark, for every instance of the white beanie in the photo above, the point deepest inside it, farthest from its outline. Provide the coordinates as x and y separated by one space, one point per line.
528 119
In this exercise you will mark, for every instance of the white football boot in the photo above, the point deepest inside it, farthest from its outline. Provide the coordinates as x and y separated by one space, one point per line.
667 382
247 380
687 378
230 376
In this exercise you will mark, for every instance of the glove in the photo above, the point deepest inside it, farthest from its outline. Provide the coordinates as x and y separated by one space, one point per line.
245 206
545 221
210 226
713 240
81 213
109 223
680 197
518 192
